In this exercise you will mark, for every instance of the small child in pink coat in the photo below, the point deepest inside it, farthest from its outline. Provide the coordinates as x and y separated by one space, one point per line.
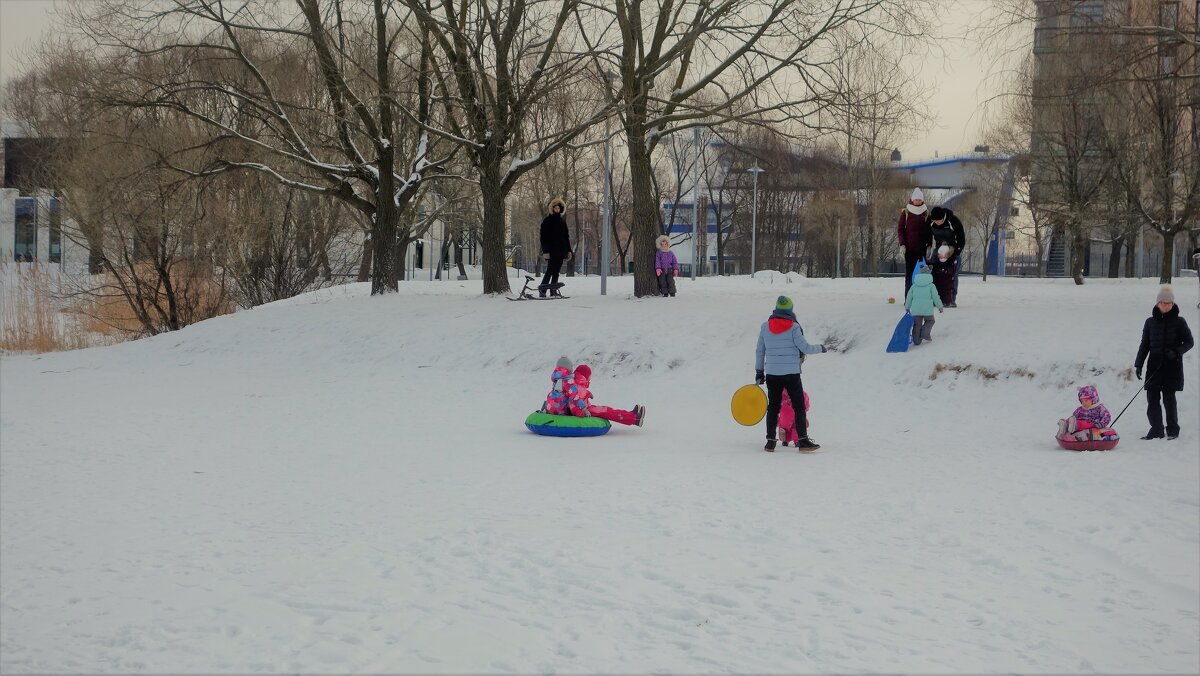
787 420
579 401
560 380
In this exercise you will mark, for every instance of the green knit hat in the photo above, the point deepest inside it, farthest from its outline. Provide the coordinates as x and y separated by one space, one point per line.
783 304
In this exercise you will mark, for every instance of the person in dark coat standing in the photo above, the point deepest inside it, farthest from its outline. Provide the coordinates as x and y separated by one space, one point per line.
913 232
946 228
1165 337
556 244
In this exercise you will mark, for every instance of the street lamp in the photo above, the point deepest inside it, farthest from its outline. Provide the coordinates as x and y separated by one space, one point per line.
1175 176
755 170
696 205
605 221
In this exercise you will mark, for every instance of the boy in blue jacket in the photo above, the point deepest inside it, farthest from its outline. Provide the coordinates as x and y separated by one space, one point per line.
781 345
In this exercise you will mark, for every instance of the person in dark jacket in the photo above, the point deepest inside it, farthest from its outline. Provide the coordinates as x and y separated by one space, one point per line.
912 230
945 228
556 244
1165 338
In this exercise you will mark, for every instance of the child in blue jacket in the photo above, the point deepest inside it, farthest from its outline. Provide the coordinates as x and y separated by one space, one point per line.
777 363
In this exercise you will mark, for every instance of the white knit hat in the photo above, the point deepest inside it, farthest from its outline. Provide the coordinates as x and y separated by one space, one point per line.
1166 293
917 194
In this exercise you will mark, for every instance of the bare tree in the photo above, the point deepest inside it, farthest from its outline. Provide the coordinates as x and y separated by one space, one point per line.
155 239
1115 104
153 232
1152 133
698 63
278 242
322 97
873 109
979 210
493 65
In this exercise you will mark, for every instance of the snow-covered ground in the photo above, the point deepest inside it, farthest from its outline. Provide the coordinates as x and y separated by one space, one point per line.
342 483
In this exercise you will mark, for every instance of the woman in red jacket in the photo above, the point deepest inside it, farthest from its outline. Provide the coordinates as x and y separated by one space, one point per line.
912 230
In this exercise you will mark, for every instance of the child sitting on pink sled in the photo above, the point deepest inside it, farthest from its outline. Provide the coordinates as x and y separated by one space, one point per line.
1089 422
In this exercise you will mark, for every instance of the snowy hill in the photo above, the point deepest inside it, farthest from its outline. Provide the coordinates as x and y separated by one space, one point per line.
340 483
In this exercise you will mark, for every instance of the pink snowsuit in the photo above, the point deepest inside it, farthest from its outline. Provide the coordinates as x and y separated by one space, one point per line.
787 419
579 398
557 399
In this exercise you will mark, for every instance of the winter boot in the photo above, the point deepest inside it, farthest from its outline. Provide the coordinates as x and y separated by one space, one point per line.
639 413
806 444
770 447
1151 435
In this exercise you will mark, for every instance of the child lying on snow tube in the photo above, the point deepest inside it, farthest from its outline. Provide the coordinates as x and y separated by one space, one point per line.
1087 429
567 410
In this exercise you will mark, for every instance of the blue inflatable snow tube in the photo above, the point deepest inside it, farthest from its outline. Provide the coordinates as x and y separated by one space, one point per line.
566 425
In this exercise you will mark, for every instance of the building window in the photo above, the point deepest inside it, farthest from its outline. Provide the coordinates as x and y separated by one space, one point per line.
25 240
55 230
1087 15
1045 12
1167 63
1168 15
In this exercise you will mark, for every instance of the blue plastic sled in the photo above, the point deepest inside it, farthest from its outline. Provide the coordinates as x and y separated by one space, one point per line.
902 335
917 269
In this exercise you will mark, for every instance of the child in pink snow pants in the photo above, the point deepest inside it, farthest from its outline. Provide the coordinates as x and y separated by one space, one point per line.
787 420
579 398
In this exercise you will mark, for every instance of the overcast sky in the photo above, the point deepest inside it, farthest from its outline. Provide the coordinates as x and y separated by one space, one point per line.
956 85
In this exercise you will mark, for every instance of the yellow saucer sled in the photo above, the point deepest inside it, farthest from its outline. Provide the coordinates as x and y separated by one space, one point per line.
749 405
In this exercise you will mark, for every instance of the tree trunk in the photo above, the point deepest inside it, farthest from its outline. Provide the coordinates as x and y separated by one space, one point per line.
1041 253
364 263
458 258
383 254
1168 258
495 274
1114 259
579 250
1130 260
443 251
1078 245
643 214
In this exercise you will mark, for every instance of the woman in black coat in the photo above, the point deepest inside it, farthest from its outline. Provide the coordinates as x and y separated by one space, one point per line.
1165 337
556 245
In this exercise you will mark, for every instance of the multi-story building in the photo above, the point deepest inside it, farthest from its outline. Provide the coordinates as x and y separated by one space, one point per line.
1088 56
31 217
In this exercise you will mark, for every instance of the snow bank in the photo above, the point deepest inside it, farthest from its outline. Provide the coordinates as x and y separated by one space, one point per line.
341 483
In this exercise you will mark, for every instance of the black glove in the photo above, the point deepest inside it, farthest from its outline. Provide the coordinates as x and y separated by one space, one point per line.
1138 372
1171 355
824 349
759 377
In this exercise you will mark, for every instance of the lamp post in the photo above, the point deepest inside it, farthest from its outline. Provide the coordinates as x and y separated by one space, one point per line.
1175 176
605 221
696 225
755 170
